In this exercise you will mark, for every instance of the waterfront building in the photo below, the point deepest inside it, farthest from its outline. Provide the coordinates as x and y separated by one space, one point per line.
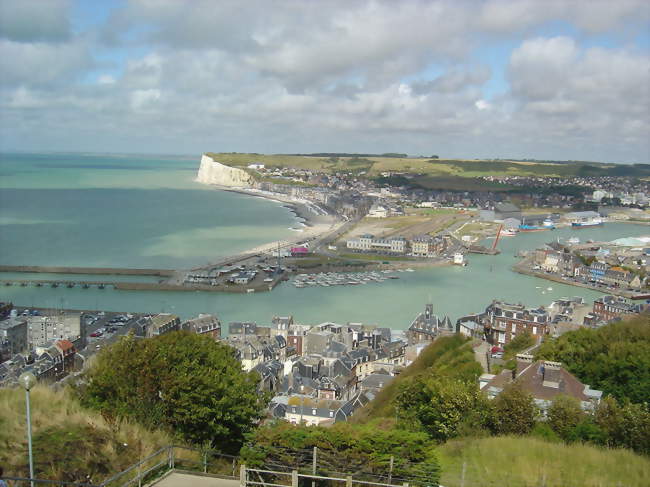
368 243
609 308
506 210
544 381
426 246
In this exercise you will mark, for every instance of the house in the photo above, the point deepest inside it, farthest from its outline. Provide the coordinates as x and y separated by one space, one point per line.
503 321
426 327
13 337
609 308
426 246
299 251
204 324
161 324
544 380
368 243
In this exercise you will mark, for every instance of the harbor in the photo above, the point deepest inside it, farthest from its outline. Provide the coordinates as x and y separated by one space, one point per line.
327 279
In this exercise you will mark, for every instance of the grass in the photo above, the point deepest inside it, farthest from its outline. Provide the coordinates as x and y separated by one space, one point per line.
69 442
438 174
532 462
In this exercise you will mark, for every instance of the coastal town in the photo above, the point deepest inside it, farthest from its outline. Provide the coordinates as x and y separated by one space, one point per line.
314 373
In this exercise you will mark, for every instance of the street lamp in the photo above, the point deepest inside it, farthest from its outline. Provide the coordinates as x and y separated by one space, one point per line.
28 380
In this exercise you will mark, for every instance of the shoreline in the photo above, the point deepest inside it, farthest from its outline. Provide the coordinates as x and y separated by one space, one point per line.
302 209
316 223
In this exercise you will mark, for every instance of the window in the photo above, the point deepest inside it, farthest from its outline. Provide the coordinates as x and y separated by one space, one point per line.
513 327
534 330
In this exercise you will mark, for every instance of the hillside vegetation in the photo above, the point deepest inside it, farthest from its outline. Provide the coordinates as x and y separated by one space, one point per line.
450 356
70 443
531 462
614 358
447 168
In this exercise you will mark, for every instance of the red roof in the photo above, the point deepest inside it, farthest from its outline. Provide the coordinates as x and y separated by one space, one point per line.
65 346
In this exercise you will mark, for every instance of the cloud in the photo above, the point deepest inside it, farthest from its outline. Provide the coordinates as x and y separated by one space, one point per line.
376 76
34 20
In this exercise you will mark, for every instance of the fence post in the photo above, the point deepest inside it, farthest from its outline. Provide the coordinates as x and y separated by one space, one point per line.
348 481
294 478
242 475
170 454
390 472
313 466
205 462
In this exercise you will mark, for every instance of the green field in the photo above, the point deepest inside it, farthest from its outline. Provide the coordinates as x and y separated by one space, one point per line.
531 462
437 173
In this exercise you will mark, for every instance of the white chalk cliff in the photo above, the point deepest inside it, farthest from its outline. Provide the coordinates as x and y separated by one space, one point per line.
213 172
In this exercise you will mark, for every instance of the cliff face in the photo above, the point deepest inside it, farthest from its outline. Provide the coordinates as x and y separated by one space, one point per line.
213 172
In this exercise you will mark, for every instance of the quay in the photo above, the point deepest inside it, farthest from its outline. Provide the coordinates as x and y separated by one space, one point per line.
145 286
524 266
107 271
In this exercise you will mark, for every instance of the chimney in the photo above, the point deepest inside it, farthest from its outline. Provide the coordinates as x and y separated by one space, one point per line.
523 361
551 374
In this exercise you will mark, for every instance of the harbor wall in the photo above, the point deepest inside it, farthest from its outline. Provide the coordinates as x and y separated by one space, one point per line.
115 271
213 172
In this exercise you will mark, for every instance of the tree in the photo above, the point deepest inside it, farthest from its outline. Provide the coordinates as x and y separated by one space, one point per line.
185 382
514 411
564 415
626 425
439 405
517 344
614 358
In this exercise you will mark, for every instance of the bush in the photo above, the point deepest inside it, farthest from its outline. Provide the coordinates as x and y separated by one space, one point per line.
514 411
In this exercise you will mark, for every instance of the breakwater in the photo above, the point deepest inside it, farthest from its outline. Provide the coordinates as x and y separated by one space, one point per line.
105 271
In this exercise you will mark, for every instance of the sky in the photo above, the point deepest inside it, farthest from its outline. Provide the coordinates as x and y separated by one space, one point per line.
550 79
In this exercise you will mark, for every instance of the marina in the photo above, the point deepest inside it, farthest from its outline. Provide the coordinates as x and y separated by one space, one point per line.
327 279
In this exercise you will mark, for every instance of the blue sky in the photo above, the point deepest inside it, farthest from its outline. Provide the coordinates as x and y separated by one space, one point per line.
495 78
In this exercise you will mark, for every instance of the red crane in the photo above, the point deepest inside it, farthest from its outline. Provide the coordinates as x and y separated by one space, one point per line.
496 240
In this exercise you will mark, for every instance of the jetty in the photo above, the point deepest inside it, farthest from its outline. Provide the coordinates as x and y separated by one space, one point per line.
105 271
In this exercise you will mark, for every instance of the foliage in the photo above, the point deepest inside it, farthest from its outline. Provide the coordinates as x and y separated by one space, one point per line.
188 383
564 415
626 425
449 356
517 344
614 358
365 450
70 443
514 411
524 461
439 405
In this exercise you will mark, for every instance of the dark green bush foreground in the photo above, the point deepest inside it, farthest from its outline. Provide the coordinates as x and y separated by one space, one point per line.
363 450
185 383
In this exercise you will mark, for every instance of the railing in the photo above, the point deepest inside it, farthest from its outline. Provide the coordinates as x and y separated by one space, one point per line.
294 477
185 459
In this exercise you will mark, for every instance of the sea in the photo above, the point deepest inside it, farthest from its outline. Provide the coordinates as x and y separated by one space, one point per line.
146 211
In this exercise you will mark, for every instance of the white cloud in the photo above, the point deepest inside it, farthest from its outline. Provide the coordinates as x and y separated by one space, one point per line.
353 76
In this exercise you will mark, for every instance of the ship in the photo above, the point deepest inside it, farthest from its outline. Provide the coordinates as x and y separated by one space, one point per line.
547 224
591 222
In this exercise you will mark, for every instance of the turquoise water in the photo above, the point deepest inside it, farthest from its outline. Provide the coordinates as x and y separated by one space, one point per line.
146 211
124 211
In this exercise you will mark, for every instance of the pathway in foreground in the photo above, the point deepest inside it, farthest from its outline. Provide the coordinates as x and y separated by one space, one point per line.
176 479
